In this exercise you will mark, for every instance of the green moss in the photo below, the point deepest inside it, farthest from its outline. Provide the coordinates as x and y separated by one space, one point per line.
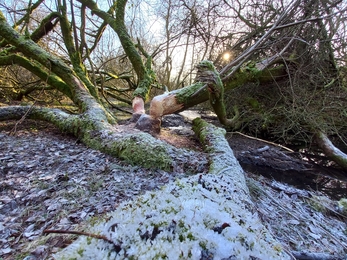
181 223
198 124
203 245
170 210
278 248
343 205
253 103
202 127
20 256
187 94
134 150
89 240
320 203
190 236
145 84
179 184
157 158
80 252
207 64
160 224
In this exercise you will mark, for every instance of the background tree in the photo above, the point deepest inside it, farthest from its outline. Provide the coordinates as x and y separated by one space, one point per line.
309 101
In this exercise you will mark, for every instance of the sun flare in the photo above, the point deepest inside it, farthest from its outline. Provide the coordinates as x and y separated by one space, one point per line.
226 56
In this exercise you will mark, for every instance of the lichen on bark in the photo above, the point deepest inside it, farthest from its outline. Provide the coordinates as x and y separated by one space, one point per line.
205 214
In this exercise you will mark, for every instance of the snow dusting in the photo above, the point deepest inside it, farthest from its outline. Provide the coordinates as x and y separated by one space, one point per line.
192 218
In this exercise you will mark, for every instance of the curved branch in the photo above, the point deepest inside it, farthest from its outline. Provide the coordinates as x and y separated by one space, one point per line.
46 25
330 150
28 13
208 74
36 69
71 44
117 24
26 91
146 76
55 116
79 92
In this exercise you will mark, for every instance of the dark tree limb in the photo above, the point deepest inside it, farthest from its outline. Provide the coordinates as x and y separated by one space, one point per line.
46 26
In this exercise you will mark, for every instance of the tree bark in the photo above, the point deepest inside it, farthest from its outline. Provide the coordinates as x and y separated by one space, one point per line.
330 150
146 76
133 146
208 87
94 125
206 216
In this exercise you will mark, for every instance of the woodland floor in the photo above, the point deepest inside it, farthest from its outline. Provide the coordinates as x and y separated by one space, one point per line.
51 181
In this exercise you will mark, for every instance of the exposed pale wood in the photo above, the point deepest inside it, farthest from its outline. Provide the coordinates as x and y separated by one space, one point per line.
164 104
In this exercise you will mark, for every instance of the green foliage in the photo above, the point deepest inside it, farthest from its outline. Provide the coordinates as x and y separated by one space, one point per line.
320 203
80 252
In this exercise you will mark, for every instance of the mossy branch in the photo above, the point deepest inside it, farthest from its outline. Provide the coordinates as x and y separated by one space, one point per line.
39 71
145 75
330 150
46 26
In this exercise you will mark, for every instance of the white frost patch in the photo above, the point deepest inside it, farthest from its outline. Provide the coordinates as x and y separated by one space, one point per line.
192 218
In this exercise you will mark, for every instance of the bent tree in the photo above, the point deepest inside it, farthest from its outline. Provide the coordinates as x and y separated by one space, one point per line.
69 73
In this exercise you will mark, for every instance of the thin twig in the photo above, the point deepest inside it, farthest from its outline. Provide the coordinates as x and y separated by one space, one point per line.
14 129
264 141
72 232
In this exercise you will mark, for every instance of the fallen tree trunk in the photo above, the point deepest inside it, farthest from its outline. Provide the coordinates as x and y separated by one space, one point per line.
209 86
131 145
198 93
207 216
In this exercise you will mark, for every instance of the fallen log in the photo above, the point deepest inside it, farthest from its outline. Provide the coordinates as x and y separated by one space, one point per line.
205 216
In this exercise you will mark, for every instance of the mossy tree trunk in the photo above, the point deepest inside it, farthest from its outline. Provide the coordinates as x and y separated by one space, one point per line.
207 216
143 69
209 86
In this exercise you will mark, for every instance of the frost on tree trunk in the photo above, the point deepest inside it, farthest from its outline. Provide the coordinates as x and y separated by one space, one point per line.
206 216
